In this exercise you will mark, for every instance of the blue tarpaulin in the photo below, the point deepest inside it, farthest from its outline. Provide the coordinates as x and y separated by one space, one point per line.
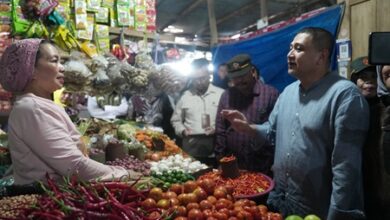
269 51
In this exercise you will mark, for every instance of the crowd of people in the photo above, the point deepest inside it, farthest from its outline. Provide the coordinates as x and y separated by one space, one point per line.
325 140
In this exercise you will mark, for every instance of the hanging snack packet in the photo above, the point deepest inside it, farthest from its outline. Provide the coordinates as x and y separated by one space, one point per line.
123 15
93 5
41 8
140 18
113 21
19 23
123 2
80 7
151 15
87 34
102 16
108 3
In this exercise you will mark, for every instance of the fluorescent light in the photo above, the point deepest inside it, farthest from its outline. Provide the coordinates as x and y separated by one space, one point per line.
236 36
173 29
180 39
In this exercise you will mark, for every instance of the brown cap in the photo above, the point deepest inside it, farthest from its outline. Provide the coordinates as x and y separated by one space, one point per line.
239 65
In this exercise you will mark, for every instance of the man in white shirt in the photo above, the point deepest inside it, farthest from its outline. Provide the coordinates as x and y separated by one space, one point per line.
195 114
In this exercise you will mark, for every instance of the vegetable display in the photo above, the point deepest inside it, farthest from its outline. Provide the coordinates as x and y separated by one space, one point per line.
177 162
80 200
167 178
204 200
246 184
11 207
131 163
152 138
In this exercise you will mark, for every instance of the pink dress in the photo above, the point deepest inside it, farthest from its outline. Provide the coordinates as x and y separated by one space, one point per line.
43 139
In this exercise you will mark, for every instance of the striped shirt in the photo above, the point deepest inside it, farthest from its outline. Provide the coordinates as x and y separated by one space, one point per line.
256 107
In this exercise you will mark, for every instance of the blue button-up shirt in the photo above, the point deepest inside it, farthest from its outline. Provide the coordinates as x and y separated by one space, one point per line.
319 133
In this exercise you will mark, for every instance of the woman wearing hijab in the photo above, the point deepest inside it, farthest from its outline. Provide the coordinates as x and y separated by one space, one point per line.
42 138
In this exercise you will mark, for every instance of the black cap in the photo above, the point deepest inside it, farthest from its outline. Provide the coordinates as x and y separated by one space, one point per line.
239 65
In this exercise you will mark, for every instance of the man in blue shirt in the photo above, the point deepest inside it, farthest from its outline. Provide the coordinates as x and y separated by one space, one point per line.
319 125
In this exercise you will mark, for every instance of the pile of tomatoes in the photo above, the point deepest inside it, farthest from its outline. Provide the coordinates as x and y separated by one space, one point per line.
203 200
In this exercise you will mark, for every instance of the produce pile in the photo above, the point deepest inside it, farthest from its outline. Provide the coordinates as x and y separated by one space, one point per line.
158 144
81 200
167 178
178 163
307 217
202 199
11 207
246 184
132 163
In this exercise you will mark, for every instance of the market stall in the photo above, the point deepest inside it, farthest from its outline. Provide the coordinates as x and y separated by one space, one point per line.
174 185
99 61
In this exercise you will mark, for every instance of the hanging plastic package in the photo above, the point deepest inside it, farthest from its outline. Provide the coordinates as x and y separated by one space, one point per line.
55 18
19 24
37 30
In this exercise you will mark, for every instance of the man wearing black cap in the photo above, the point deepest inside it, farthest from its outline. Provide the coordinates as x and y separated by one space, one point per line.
365 77
254 99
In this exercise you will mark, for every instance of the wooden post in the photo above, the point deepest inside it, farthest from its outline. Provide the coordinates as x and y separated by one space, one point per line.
263 9
212 23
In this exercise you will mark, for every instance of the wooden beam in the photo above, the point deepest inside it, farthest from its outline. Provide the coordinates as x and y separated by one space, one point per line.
212 23
186 11
132 33
235 13
263 9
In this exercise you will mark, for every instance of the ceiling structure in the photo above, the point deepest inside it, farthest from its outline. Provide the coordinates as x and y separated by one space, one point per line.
231 16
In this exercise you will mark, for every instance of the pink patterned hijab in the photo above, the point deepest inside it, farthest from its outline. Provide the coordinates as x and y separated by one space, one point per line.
17 64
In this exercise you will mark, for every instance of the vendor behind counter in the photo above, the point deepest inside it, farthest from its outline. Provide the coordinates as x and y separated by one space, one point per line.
42 138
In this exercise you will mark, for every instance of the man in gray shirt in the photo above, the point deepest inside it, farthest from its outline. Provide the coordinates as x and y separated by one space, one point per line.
319 125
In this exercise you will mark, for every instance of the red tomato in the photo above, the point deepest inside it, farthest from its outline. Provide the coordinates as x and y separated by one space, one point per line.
192 205
190 186
208 185
181 211
228 203
205 204
149 203
218 193
220 216
155 193
191 198
195 214
154 215
225 211
177 188
169 194
229 189
244 215
163 204
263 209
212 199
276 216
207 213
200 193
181 218
173 202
